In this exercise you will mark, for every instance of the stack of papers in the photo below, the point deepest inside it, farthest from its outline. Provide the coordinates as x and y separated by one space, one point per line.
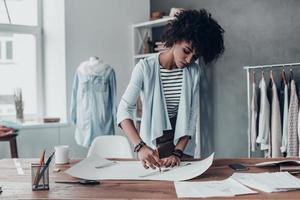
278 162
224 188
292 166
268 182
293 169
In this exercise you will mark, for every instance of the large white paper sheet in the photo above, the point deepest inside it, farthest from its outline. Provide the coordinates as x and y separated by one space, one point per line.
133 170
268 182
224 188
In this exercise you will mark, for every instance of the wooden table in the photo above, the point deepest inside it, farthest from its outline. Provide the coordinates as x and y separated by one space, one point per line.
16 186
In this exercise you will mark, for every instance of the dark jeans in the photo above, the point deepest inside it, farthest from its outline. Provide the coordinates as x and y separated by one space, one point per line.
165 143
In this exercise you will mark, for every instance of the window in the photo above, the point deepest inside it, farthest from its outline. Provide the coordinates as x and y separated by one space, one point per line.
6 49
21 12
20 55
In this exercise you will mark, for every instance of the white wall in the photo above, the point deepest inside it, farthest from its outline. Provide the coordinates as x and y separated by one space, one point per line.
54 58
102 28
256 33
93 27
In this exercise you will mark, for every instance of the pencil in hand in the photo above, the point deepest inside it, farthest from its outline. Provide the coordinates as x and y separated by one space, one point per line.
157 153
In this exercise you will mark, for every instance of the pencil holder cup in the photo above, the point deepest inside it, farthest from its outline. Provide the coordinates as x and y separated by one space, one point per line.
39 177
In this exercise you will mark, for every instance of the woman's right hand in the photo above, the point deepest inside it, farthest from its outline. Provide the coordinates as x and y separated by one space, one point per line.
149 157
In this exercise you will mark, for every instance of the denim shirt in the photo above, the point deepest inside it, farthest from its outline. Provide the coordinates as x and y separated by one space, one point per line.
145 81
93 107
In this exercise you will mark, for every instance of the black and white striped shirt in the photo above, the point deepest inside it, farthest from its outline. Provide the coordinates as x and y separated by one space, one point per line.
172 83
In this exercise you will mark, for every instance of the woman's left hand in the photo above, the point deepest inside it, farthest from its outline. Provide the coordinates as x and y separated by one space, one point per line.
171 161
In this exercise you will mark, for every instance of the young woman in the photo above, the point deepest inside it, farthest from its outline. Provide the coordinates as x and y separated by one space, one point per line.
169 87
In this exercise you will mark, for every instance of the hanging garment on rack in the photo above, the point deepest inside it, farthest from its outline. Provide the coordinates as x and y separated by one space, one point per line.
253 127
298 133
285 100
263 137
293 142
268 151
93 107
281 93
275 123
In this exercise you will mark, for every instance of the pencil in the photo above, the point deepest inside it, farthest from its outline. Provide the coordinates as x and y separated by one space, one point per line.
38 170
158 157
44 169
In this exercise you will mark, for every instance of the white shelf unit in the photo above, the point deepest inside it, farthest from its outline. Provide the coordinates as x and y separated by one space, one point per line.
154 23
142 31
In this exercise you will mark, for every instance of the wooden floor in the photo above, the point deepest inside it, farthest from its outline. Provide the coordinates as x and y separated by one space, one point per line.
16 186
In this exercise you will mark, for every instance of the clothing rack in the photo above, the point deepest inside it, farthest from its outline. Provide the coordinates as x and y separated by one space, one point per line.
248 68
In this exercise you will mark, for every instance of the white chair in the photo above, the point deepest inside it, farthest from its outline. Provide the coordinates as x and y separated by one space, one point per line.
111 146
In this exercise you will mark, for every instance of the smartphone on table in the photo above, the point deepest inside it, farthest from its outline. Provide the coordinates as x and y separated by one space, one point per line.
238 167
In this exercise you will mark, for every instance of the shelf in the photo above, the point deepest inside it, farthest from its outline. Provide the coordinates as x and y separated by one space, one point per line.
139 56
138 119
154 23
38 124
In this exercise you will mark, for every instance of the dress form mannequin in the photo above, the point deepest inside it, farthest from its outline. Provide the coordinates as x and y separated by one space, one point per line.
93 104
93 66
94 60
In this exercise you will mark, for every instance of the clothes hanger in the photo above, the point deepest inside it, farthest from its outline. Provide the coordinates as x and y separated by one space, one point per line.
291 72
253 76
283 75
271 76
262 72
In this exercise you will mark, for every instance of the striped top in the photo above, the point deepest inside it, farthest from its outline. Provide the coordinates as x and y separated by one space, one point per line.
171 82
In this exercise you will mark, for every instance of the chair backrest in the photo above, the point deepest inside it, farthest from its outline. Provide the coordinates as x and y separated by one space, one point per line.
7 105
111 146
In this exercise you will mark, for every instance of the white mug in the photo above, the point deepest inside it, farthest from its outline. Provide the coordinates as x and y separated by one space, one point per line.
61 154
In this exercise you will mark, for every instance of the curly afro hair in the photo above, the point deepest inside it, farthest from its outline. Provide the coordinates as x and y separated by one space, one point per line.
199 28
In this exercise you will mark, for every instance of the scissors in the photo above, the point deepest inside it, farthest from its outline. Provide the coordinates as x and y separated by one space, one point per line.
81 182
